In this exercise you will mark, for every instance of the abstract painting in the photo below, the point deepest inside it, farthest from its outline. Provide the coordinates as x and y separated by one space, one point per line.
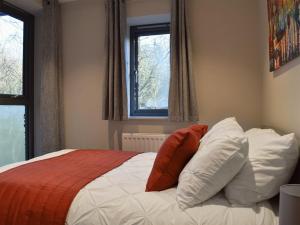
284 24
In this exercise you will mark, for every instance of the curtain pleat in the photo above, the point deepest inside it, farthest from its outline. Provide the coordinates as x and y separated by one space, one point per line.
48 82
115 93
182 96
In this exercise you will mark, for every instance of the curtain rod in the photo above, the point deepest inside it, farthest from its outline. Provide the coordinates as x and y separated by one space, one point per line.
134 0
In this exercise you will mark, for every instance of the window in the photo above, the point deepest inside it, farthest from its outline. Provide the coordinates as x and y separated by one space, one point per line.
149 70
16 84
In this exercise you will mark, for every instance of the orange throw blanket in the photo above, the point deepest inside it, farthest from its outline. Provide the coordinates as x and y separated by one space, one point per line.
41 193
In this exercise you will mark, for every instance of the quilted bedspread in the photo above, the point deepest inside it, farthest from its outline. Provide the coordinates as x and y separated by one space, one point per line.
119 198
41 192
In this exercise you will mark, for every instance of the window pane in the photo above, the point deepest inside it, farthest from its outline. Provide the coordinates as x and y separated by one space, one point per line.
11 55
153 71
12 134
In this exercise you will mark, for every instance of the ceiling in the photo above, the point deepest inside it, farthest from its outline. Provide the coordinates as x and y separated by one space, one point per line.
64 1
32 6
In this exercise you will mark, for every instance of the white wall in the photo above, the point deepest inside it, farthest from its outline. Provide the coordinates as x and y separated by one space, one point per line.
225 59
281 89
226 67
83 59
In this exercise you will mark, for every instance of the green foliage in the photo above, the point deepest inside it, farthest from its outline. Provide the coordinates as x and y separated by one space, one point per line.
154 71
12 122
11 55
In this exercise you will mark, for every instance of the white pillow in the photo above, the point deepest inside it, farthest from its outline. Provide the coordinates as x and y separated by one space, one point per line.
272 160
222 153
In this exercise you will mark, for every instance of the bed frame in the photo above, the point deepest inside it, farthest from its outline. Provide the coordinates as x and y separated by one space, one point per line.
296 177
295 180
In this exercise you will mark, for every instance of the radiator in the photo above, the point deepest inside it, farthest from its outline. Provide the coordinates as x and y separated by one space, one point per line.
142 142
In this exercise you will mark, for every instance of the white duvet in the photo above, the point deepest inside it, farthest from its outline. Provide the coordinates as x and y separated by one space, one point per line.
118 198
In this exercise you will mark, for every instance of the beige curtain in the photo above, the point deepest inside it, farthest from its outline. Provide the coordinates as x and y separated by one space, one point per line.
182 97
115 94
48 80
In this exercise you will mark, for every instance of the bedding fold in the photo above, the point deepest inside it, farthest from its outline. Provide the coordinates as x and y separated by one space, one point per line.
41 192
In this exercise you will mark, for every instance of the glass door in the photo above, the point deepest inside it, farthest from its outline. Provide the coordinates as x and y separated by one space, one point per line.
16 84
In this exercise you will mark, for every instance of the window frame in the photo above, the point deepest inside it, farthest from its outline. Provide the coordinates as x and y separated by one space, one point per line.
27 98
135 32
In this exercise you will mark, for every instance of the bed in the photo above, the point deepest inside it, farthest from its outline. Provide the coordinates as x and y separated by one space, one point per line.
119 198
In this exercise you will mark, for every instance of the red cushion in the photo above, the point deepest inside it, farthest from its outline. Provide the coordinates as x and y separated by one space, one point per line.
173 155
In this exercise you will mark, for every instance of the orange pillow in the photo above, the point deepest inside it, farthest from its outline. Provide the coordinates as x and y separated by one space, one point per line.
172 157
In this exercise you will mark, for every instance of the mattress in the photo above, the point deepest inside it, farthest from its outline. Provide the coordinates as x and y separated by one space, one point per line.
119 198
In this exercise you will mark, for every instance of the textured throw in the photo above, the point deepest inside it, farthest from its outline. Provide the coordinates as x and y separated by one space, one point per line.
41 192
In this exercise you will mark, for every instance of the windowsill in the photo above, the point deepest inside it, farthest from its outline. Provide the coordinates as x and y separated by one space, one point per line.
148 118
